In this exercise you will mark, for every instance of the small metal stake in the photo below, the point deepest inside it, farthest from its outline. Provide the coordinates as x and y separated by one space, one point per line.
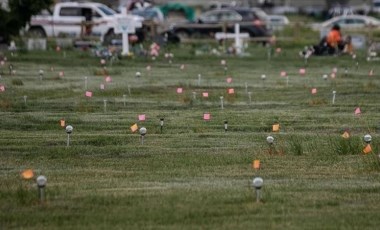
68 140
287 81
333 99
225 126
258 196
41 73
199 79
105 105
10 69
124 99
25 97
194 95
129 90
246 87
221 102
250 97
161 124
85 83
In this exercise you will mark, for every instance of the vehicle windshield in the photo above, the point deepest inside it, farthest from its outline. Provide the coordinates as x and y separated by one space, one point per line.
107 11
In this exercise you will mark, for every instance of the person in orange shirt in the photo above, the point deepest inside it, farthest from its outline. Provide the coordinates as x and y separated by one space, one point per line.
334 40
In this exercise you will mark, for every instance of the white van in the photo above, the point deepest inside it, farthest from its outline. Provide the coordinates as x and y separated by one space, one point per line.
376 6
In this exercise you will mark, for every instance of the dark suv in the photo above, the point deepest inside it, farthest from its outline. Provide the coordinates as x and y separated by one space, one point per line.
213 21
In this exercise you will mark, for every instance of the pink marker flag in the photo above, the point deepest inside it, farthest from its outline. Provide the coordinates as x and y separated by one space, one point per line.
142 117
278 50
88 94
205 94
2 88
333 75
2 63
102 61
283 74
108 79
358 111
229 79
182 67
302 71
179 90
335 70
206 116
231 91
102 86
61 73
314 91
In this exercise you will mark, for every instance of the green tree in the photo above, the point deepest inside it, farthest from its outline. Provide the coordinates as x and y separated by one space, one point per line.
19 14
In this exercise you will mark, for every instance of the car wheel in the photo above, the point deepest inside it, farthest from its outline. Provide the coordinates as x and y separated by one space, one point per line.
110 38
36 33
183 34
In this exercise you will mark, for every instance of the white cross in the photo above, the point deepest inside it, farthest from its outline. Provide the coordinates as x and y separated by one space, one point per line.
125 25
237 36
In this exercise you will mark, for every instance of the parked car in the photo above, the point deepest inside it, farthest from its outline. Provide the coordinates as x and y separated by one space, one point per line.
315 11
277 22
212 22
149 13
376 6
74 19
284 10
348 22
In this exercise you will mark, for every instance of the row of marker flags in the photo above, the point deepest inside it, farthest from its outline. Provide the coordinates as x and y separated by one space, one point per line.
255 164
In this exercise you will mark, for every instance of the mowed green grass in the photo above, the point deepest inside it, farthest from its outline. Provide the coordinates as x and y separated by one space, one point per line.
193 175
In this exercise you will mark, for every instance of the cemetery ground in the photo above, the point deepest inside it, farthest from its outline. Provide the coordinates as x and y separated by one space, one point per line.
193 175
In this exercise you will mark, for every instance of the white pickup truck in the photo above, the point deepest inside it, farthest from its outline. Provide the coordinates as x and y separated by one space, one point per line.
74 19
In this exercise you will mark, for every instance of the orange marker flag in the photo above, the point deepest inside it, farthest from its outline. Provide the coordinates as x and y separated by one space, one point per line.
27 174
367 149
134 128
256 164
276 127
62 122
346 135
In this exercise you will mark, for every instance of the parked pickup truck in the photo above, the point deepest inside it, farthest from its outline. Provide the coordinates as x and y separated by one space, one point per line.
74 19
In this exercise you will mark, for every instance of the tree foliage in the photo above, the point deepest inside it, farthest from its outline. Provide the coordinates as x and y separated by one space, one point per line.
19 14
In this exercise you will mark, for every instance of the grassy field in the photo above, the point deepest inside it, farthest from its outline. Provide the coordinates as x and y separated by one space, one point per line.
194 175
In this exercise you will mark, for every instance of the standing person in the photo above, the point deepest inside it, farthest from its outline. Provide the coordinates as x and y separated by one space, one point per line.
334 40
